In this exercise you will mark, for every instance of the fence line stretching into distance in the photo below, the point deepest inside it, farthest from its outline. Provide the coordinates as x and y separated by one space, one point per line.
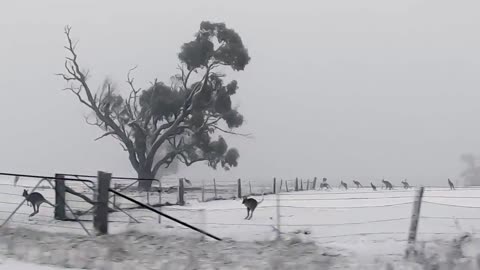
308 196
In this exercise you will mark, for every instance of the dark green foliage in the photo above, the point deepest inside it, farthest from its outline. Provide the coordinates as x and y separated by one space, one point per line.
211 104
233 119
161 101
201 52
231 158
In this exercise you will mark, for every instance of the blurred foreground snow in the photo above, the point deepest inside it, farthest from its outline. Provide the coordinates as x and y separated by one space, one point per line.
138 250
9 264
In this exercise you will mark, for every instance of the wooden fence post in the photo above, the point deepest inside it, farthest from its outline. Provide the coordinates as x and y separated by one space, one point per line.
281 184
100 218
286 185
279 232
412 234
239 188
250 186
181 192
215 188
301 184
160 200
314 183
60 197
203 191
274 185
296 184
203 221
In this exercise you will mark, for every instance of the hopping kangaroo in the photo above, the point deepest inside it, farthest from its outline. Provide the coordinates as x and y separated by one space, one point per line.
373 186
344 185
405 184
357 184
387 184
251 204
35 199
452 187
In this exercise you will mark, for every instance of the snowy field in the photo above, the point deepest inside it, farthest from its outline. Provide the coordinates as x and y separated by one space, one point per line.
357 223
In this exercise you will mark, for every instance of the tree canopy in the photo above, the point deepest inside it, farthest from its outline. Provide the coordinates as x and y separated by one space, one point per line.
182 121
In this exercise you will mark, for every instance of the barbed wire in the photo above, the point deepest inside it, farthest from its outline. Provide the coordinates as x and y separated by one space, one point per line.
52 225
25 214
290 206
51 199
451 205
449 218
343 199
303 225
381 233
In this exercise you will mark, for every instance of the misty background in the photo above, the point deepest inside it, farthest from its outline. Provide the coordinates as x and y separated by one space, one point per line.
338 89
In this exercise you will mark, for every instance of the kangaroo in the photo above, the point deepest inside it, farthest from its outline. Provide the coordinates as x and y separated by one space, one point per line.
343 184
324 184
35 199
452 187
357 184
373 186
405 184
251 204
387 184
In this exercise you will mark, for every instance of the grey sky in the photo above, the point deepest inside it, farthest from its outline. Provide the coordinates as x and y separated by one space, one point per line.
342 89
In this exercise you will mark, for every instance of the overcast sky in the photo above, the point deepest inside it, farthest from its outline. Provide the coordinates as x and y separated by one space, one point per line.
338 89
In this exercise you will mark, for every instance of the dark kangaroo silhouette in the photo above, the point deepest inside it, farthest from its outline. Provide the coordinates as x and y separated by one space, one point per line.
405 184
357 184
373 186
344 185
251 205
452 187
35 199
324 184
387 184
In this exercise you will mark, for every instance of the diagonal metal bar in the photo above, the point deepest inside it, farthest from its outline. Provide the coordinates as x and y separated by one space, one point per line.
165 215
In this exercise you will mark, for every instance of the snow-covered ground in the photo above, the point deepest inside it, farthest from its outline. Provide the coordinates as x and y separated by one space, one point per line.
360 224
10 264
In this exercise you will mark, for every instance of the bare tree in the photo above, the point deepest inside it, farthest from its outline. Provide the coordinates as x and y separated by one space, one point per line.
471 173
176 122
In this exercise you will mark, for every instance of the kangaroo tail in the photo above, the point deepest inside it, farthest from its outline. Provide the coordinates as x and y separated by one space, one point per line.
263 197
51 204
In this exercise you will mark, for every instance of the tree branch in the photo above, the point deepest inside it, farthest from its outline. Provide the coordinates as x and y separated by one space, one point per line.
247 135
105 135
73 68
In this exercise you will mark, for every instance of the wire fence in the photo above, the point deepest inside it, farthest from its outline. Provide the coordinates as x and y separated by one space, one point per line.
325 216
15 209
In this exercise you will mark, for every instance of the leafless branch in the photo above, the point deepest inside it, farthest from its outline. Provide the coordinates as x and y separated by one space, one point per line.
105 135
231 132
72 68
